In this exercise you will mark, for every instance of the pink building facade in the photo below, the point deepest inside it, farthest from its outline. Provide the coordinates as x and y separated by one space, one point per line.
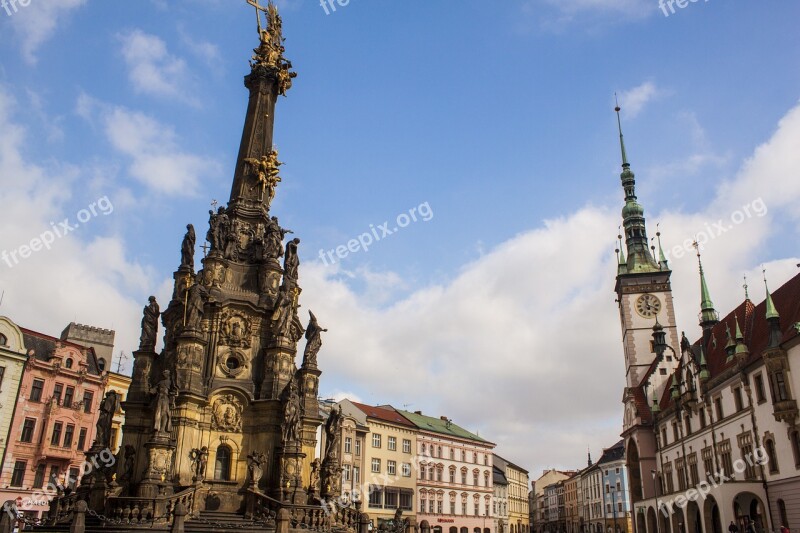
54 421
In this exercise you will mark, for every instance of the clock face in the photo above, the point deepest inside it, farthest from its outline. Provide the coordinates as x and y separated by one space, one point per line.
648 305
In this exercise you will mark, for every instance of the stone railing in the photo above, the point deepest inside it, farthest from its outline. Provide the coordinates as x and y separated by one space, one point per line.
145 512
61 508
323 518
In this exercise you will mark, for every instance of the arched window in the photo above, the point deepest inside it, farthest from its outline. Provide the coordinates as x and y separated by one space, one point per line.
795 437
475 478
3 340
771 456
101 364
222 467
486 479
782 511
68 363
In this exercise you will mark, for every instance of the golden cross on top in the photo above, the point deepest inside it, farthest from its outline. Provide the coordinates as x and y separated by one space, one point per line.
259 9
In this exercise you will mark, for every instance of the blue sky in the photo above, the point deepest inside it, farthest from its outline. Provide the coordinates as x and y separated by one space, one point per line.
497 115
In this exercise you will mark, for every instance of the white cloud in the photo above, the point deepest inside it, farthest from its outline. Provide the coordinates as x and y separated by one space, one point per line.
153 70
524 344
633 101
80 278
555 14
151 146
37 22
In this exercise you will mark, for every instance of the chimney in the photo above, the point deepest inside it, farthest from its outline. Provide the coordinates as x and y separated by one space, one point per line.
444 418
418 413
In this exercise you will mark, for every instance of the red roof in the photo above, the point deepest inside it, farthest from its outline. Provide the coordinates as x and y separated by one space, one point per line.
755 330
386 415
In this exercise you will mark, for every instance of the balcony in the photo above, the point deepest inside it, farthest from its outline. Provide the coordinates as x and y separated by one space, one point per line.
785 411
56 452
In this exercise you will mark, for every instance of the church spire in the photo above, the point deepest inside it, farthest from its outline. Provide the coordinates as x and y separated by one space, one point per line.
639 257
773 318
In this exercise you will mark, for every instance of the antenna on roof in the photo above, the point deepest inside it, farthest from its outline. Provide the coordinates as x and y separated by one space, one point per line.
122 357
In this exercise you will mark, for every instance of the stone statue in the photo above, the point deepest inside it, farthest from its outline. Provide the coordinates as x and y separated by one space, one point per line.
187 248
290 428
163 404
333 429
255 467
291 262
147 342
128 463
274 236
313 481
283 314
267 174
199 458
313 341
399 524
108 408
194 307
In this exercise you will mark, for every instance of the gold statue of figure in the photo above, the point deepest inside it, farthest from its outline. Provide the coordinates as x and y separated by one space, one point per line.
266 168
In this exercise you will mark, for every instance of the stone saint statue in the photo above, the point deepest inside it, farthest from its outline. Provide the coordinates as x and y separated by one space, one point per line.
313 481
199 458
333 428
291 415
128 464
283 313
291 262
255 467
163 404
147 342
194 307
187 248
313 341
108 408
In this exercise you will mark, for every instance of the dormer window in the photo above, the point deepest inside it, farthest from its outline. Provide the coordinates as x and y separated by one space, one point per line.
101 364
3 340
68 363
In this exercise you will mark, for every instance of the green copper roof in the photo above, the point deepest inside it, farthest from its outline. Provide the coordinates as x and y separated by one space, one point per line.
437 425
707 312
739 336
772 312
704 374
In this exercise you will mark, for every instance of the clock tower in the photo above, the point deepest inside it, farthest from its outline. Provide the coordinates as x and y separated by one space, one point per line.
644 294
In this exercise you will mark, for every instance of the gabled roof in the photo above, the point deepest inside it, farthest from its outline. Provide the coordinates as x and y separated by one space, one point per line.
506 462
44 346
615 453
383 414
498 476
444 427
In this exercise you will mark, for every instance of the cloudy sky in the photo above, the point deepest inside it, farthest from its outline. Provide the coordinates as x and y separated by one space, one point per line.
493 119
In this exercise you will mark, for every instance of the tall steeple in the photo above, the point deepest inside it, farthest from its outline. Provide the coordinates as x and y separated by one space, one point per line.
708 315
639 257
773 318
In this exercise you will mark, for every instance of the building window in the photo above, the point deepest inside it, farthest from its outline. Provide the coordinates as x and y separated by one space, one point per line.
358 447
724 451
688 424
694 475
486 479
376 440
348 444
463 458
55 439
406 446
346 473
69 434
452 474
38 480
222 465
36 390
718 407
475 457
737 399
439 452
73 478
464 508
452 454
392 444
68 363
463 477
761 396
391 468
376 466
439 507
663 436
452 508
113 439
795 438
782 512
88 396
18 475
702 418
424 449
708 461
772 457
27 430
675 435
68 396
3 340
781 394
82 440
356 475
54 471
439 470
376 495
58 390
391 499
475 478
406 469
405 500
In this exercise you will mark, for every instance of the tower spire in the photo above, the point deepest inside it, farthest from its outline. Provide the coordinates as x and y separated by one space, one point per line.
708 315
639 256
772 312
773 318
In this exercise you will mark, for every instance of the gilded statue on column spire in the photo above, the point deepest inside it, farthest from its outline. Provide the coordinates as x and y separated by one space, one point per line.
269 54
